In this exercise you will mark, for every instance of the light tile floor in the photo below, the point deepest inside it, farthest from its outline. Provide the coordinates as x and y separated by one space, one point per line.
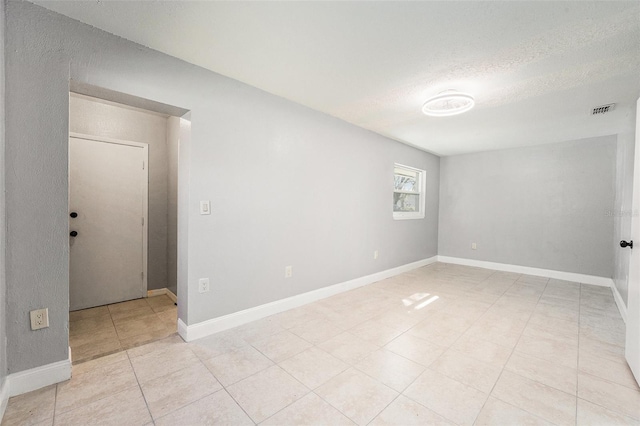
104 330
442 344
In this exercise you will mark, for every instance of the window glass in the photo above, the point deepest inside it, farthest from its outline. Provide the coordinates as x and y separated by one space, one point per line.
408 192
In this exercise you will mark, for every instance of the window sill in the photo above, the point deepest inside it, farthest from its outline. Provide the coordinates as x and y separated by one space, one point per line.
406 216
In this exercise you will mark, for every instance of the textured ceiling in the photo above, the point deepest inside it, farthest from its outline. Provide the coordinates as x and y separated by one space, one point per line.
535 68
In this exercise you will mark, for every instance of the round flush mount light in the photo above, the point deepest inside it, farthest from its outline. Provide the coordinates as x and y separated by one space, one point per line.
450 102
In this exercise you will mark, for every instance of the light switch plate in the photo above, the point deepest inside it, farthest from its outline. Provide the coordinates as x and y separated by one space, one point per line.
205 207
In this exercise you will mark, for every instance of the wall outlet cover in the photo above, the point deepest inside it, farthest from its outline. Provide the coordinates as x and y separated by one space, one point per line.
39 318
203 285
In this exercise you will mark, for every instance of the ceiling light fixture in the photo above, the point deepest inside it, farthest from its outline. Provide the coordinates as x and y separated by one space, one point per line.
450 102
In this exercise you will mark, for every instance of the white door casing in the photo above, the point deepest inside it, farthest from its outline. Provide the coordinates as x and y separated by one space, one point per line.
632 346
108 189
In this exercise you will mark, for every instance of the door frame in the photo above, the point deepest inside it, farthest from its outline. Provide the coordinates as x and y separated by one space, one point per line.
632 338
145 195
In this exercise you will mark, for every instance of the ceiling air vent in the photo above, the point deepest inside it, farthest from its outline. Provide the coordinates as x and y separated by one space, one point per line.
602 109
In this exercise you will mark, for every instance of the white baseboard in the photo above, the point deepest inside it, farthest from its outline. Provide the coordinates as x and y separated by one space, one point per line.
161 291
215 325
39 377
567 276
618 298
4 398
183 331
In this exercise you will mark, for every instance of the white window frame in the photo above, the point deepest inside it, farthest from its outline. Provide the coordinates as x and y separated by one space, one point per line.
421 179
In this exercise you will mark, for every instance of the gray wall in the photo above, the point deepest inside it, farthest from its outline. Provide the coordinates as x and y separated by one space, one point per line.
95 117
623 205
184 205
173 144
3 318
546 206
288 185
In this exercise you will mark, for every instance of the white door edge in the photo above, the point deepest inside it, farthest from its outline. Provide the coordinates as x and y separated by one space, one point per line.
632 341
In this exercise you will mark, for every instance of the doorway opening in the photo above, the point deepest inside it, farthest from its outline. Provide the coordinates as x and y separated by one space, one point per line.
123 221
108 219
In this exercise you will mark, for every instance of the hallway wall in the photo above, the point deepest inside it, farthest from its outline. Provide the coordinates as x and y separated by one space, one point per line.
3 289
287 185
91 116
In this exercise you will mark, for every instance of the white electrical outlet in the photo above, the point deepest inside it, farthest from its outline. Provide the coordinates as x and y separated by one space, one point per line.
203 285
473 246
375 254
288 272
39 318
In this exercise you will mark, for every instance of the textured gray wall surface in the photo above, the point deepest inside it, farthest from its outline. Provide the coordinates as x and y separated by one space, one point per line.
173 144
3 317
96 118
623 206
184 204
547 206
288 185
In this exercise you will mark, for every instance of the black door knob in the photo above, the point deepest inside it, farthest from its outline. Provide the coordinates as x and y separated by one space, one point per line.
73 214
73 233
624 244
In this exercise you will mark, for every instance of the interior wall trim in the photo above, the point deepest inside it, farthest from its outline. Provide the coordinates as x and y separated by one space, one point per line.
216 325
560 275
161 291
619 302
567 276
39 377
4 398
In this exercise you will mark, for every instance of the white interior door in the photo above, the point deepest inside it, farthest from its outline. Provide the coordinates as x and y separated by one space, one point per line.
632 351
108 185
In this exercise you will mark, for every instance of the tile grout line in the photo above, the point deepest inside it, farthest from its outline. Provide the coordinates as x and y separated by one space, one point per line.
223 387
98 399
232 397
560 390
513 349
353 365
374 378
502 368
238 381
316 346
349 366
591 375
144 397
490 394
115 328
518 408
429 366
55 406
399 393
205 396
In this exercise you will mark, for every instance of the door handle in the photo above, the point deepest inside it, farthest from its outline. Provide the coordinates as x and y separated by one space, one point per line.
624 244
73 214
73 233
